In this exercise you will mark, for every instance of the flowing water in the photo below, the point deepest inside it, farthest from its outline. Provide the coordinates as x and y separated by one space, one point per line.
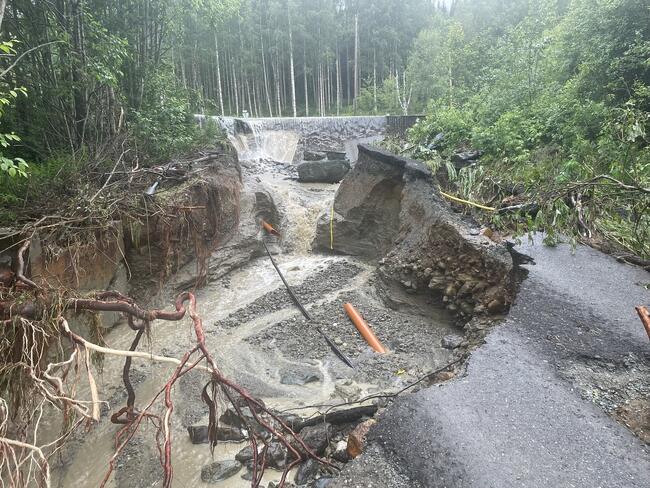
257 336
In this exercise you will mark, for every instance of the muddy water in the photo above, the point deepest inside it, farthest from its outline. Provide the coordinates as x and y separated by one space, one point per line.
256 336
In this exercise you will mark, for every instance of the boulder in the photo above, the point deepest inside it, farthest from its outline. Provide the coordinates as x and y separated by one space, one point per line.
276 456
335 155
306 472
199 433
219 471
309 155
323 171
245 455
298 378
464 159
316 437
452 341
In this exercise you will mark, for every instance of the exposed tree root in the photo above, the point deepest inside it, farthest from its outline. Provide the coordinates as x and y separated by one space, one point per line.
35 315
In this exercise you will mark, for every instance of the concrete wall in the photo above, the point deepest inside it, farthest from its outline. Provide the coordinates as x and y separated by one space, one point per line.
285 138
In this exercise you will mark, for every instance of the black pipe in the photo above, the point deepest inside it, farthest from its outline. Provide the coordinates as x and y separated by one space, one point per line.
333 346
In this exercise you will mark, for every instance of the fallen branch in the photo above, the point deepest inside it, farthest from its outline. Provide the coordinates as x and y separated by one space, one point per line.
338 417
595 179
119 352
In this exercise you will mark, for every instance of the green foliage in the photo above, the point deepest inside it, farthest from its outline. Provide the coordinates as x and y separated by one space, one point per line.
163 126
561 97
12 166
386 98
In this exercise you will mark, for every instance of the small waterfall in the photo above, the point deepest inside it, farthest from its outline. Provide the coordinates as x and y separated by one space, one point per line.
283 139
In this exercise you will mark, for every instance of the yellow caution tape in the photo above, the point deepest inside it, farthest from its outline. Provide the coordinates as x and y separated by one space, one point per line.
460 200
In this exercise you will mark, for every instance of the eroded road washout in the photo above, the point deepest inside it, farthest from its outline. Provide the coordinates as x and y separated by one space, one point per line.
260 339
421 276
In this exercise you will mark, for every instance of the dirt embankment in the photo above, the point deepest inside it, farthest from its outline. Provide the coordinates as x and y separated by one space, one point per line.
137 251
388 208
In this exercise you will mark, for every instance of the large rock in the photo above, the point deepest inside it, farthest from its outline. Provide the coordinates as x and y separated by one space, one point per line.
323 171
464 159
306 472
298 377
335 155
219 471
389 207
199 433
366 208
316 438
310 155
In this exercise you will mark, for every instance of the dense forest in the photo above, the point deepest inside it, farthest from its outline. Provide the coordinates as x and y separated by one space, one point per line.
556 96
552 92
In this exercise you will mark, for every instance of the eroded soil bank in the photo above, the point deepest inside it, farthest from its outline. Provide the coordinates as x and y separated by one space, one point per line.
427 281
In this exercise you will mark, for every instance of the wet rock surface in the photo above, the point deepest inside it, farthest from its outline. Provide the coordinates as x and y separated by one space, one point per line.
297 377
309 155
219 471
323 171
452 341
306 472
317 437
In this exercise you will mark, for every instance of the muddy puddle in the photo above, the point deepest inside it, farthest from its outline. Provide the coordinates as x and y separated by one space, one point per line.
260 340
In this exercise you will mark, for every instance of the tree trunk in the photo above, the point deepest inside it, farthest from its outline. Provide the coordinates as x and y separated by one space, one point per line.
236 89
356 61
276 76
266 79
338 81
3 4
304 59
293 78
79 95
219 86
451 79
374 77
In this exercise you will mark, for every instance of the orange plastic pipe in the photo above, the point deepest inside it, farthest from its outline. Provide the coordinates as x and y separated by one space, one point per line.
269 228
363 328
644 315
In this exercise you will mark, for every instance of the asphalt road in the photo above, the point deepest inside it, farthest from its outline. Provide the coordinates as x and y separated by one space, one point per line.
531 409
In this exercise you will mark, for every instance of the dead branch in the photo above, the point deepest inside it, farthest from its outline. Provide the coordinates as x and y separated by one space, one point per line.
598 178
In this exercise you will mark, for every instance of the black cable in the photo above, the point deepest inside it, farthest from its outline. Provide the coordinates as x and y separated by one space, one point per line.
333 346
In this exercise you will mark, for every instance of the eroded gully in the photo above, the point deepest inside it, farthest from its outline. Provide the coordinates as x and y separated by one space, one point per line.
260 339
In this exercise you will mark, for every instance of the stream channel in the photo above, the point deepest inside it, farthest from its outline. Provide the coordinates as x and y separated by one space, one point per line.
261 340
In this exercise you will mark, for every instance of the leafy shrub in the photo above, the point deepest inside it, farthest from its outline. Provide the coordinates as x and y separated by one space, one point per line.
163 125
